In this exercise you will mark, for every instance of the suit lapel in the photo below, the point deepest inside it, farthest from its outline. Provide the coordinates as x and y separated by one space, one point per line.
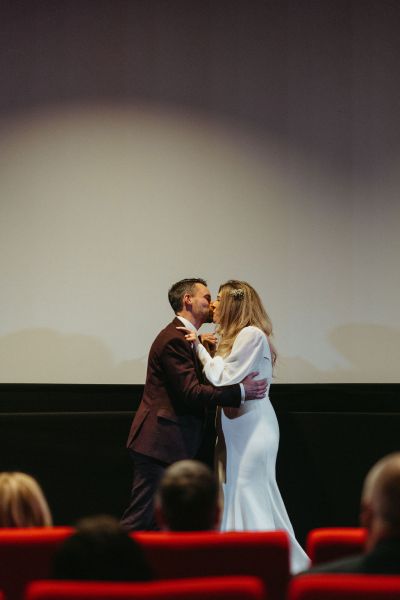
197 365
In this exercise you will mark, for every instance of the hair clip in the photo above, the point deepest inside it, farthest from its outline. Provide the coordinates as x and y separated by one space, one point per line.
237 294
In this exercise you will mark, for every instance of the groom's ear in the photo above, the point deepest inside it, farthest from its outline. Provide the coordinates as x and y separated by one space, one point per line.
186 300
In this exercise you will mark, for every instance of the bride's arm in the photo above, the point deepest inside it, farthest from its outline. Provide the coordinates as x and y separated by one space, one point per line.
240 362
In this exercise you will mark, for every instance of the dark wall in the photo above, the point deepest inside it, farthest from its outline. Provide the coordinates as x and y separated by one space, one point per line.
72 438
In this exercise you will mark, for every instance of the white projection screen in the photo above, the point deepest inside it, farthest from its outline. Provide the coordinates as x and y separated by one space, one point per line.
144 142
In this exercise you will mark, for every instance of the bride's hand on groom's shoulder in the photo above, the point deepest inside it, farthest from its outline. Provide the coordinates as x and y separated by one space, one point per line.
190 336
208 339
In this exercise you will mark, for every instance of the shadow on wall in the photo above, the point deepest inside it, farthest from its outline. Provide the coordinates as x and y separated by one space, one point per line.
371 351
47 356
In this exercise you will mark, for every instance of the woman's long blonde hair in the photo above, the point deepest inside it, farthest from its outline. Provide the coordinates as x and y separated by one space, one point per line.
241 306
22 502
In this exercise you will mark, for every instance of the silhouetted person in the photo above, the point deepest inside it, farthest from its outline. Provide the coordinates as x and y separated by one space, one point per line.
187 498
100 550
380 515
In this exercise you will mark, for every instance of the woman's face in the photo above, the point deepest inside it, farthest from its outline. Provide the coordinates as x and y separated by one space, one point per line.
216 305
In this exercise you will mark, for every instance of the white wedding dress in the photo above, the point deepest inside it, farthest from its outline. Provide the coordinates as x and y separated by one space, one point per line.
252 500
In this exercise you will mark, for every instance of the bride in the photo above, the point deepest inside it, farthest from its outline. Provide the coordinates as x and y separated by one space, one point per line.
252 500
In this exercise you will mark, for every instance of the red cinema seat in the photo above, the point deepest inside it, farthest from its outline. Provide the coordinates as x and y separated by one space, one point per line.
333 543
213 588
27 554
174 555
344 587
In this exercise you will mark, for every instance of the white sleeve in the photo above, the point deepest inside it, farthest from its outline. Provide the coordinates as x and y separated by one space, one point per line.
240 362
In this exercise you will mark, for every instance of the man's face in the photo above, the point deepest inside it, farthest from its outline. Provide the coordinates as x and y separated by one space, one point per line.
201 300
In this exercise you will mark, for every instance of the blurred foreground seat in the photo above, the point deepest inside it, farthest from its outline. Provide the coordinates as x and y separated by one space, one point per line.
344 587
27 554
175 555
332 543
213 588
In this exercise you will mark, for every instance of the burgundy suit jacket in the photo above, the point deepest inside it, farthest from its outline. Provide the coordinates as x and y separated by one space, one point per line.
169 422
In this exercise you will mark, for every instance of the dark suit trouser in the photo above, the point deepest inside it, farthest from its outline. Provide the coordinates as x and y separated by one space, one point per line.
147 472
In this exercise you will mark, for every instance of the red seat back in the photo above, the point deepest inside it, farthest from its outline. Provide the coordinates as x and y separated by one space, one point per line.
215 588
344 587
173 555
27 554
333 543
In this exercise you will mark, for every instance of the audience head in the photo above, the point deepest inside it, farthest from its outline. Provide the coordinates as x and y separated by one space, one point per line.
187 498
22 502
380 501
100 550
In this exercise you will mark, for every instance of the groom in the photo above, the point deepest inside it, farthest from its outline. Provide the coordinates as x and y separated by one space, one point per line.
169 423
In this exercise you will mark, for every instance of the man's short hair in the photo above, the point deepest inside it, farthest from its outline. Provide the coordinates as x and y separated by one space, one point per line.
179 289
188 496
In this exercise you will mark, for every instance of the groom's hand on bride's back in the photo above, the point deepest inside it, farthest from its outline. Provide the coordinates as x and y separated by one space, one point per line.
254 390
